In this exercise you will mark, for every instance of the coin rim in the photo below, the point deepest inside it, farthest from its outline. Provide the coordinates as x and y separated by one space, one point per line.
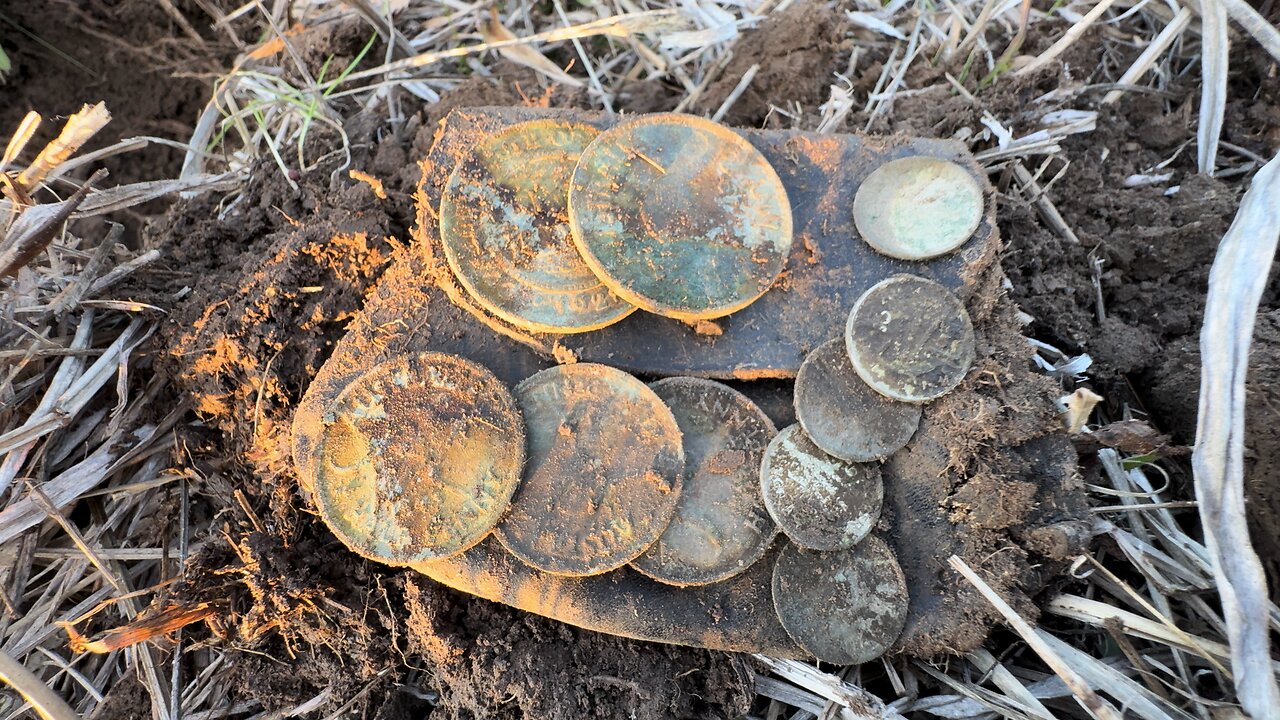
861 199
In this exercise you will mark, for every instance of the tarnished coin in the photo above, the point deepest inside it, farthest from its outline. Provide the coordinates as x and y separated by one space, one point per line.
910 339
504 226
680 216
845 607
845 417
915 208
418 458
604 472
721 526
819 501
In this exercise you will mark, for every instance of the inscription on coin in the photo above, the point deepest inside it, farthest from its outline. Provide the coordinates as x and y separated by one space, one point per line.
504 227
910 339
819 501
680 216
842 415
418 458
915 208
604 473
721 526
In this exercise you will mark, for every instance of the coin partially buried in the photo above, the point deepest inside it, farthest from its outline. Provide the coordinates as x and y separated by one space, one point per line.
845 417
915 208
680 216
721 526
819 501
604 473
418 458
910 339
845 607
504 227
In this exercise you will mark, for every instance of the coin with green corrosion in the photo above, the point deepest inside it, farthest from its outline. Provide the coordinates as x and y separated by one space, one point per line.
504 227
910 339
819 501
845 607
604 473
843 415
918 207
680 216
721 526
418 458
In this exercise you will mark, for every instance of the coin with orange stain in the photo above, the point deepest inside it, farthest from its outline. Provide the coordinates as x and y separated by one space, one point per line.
605 470
418 458
680 216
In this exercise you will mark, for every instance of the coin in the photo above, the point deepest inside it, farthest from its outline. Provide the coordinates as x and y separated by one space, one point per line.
910 339
819 501
918 207
842 415
418 458
504 227
604 473
844 607
680 216
721 526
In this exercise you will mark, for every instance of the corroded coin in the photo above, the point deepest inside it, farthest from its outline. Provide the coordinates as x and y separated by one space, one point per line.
819 501
915 208
604 473
418 458
845 417
845 607
680 216
721 525
504 226
910 339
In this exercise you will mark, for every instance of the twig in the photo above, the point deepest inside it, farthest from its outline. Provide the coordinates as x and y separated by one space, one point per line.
1213 83
34 691
1073 34
1151 54
738 89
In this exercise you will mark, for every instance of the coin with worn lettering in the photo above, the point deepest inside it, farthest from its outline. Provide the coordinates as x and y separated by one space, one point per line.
721 526
845 606
418 458
916 208
604 473
842 415
680 216
819 501
504 227
910 339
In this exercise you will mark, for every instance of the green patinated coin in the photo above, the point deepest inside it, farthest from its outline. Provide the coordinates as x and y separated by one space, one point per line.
604 473
680 216
504 226
418 458
844 607
842 415
721 526
910 339
819 501
915 208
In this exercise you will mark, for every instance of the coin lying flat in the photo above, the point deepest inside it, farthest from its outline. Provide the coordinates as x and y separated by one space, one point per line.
845 607
910 339
819 501
915 208
418 458
721 526
504 227
680 216
842 415
604 473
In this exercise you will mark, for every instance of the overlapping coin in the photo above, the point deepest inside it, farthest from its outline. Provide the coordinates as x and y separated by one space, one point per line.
915 208
604 471
819 501
418 458
721 526
680 216
845 607
842 415
910 339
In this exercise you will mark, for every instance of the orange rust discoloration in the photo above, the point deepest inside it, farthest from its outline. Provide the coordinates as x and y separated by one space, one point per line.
160 624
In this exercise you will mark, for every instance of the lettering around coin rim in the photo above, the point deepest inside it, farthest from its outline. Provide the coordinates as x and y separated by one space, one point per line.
918 207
